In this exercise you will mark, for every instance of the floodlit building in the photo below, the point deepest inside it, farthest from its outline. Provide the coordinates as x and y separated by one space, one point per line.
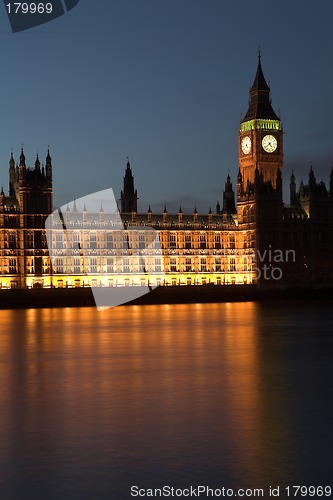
252 237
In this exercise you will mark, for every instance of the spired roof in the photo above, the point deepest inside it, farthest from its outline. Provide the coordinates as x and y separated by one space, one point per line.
259 81
260 103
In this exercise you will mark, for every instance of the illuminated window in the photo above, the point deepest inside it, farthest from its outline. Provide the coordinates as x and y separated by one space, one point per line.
109 240
58 268
173 243
187 240
141 240
77 265
12 266
110 264
173 265
12 240
217 240
126 265
93 241
59 243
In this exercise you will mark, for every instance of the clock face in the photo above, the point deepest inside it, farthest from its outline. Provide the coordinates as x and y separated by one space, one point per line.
269 143
246 145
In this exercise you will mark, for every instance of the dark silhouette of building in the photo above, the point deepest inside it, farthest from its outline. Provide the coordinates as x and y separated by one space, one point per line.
129 198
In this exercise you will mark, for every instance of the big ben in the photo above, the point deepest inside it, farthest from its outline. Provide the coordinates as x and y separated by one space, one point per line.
260 138
259 181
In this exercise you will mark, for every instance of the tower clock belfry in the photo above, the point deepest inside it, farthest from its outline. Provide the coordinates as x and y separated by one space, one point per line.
260 138
259 181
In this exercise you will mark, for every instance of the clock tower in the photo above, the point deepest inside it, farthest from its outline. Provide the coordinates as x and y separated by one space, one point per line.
259 181
260 138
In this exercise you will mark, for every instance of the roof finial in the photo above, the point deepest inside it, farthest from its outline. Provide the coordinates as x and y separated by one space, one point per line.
259 53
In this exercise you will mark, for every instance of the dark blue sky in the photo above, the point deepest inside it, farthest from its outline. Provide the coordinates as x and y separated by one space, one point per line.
164 82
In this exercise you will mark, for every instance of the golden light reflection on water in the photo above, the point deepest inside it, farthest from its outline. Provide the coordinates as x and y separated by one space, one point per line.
183 385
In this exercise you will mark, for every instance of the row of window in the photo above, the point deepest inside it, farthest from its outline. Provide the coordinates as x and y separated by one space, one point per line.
93 265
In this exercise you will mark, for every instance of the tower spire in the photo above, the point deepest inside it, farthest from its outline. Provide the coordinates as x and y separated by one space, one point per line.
260 104
129 195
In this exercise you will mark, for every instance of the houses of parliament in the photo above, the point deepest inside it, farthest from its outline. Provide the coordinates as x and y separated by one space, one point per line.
252 238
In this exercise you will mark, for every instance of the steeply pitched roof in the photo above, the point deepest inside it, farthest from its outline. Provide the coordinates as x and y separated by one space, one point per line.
260 103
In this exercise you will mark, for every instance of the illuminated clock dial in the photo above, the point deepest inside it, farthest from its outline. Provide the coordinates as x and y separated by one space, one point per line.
269 143
246 144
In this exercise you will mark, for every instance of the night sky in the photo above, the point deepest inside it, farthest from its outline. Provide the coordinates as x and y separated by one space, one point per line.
165 83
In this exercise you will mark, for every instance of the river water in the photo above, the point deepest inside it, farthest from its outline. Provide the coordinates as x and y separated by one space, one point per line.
238 395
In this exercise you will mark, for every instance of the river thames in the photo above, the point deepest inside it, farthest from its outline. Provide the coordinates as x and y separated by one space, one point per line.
235 395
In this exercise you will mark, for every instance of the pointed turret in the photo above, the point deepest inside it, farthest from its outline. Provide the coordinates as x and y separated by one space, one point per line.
165 215
260 103
195 216
312 181
149 213
22 158
210 217
279 182
2 199
239 183
180 216
37 163
293 196
229 206
48 165
129 198
13 179
11 161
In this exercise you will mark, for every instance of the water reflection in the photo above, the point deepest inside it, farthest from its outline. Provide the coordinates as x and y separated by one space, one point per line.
92 402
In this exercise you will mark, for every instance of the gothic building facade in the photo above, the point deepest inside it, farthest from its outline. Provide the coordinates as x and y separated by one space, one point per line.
24 258
252 238
260 239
